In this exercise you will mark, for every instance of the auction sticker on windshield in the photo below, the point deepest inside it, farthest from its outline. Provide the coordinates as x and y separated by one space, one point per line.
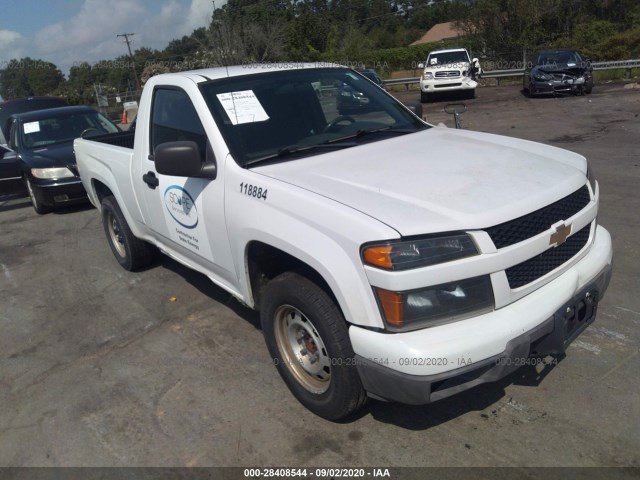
242 107
31 127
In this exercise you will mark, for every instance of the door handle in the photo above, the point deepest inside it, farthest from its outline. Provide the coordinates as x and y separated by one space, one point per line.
151 180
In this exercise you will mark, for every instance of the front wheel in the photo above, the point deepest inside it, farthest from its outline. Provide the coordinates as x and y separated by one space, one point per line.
131 252
424 97
36 201
531 91
308 340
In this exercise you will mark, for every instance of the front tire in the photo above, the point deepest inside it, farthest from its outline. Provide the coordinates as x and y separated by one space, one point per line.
131 252
36 201
308 340
424 97
531 91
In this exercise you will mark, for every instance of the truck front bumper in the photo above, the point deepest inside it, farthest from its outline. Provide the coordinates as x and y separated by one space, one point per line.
447 85
427 365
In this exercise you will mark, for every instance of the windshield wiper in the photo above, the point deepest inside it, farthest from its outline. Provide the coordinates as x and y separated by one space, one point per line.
293 149
389 129
362 133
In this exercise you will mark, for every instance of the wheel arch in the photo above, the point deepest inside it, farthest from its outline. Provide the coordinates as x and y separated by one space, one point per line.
99 191
265 262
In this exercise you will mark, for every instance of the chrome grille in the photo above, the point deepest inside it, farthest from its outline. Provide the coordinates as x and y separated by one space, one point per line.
448 74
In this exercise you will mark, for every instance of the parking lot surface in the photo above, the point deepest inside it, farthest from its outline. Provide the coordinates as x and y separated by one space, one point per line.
102 367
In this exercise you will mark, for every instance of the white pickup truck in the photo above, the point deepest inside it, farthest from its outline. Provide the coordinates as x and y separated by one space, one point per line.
385 260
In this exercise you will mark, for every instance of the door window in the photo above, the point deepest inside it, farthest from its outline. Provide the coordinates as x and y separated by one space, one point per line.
174 118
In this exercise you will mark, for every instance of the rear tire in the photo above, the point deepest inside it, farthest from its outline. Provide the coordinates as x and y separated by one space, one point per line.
36 201
131 252
308 340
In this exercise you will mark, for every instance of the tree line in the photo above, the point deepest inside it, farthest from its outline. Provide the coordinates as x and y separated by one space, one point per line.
351 31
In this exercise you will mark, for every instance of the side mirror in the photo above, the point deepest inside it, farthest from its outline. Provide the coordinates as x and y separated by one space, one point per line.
7 154
182 159
421 65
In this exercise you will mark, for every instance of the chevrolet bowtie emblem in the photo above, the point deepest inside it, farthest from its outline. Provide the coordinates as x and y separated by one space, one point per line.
560 235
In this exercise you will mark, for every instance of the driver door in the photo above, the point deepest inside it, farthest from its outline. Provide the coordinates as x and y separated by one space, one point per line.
185 213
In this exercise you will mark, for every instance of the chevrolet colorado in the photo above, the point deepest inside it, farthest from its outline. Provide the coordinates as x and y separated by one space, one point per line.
384 260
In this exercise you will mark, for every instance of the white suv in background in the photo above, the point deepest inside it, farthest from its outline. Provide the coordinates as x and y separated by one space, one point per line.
449 70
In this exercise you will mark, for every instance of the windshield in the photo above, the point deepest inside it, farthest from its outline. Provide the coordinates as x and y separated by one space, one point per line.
302 112
64 128
447 58
558 58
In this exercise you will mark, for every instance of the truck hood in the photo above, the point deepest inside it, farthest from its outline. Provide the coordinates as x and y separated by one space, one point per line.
439 179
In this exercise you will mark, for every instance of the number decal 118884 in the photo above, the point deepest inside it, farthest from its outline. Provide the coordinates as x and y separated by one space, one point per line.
253 191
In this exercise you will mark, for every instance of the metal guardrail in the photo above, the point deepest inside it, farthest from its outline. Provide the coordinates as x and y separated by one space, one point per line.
616 64
517 72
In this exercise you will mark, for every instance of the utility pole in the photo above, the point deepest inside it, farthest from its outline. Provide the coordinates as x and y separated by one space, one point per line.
133 64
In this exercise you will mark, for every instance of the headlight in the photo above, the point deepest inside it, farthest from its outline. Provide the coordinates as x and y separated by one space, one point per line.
421 252
51 173
403 311
592 179
542 77
427 76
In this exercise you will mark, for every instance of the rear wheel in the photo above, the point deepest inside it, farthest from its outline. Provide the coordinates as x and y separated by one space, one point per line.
36 201
131 252
308 340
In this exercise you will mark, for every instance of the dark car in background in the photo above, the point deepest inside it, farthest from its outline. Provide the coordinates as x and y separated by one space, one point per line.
350 99
42 147
558 72
10 177
22 105
373 76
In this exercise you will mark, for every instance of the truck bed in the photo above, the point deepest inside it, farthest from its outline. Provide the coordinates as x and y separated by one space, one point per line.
120 139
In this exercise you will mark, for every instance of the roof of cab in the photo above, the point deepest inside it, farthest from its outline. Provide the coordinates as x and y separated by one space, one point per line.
52 112
206 74
447 50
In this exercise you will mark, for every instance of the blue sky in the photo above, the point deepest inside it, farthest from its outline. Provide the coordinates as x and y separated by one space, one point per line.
67 32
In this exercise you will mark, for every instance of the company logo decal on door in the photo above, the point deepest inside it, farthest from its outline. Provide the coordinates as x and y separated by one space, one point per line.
181 206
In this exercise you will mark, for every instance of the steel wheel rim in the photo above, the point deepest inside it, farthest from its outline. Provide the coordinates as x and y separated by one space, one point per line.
302 349
116 235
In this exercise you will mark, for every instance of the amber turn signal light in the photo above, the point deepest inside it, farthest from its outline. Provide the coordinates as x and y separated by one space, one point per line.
379 255
392 305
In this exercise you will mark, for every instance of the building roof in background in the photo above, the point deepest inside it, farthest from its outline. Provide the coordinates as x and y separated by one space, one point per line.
440 31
